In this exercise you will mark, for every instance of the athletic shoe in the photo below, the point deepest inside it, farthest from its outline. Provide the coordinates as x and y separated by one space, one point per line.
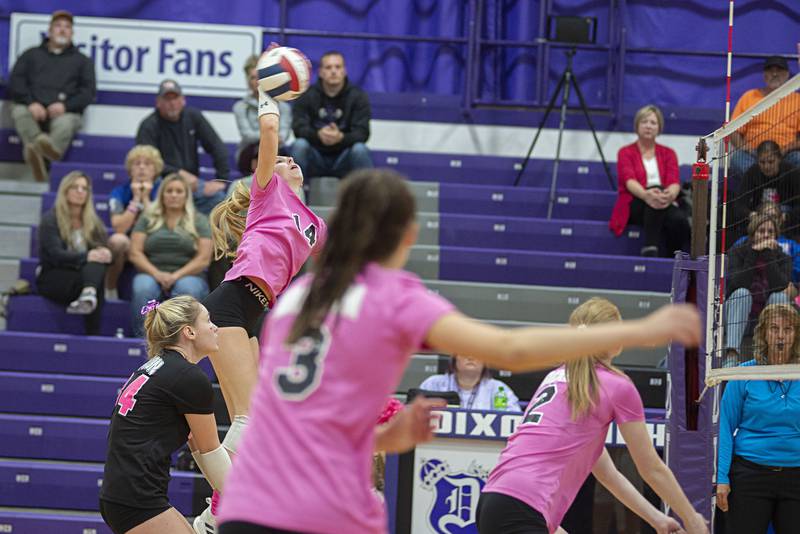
205 522
85 304
650 251
36 162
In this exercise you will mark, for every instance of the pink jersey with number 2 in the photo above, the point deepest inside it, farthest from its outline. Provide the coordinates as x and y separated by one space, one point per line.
548 458
305 461
280 234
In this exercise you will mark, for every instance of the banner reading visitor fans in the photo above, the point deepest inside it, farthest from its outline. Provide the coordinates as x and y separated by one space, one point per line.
135 55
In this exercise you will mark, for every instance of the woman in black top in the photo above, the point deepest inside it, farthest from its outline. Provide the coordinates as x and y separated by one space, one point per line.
72 251
162 401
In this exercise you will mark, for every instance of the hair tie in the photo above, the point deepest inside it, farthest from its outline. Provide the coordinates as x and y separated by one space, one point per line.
150 306
392 408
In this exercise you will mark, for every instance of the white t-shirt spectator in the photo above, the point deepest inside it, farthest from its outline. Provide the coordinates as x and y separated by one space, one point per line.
481 397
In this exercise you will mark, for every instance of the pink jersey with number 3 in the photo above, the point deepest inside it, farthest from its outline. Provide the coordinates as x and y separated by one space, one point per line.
280 234
548 458
305 461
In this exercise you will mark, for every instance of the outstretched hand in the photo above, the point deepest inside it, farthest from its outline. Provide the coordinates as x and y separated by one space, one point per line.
410 427
677 322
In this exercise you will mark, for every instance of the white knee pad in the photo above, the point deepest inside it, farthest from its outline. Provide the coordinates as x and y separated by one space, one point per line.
231 441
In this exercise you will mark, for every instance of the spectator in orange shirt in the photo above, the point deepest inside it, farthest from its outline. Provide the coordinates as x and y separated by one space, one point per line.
780 124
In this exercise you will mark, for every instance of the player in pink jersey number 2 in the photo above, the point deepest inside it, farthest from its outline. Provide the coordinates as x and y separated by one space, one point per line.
561 439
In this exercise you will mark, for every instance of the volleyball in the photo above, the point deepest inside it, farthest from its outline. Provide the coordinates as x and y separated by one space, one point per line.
284 73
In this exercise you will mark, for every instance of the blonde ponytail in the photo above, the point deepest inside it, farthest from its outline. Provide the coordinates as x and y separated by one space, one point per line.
582 381
228 220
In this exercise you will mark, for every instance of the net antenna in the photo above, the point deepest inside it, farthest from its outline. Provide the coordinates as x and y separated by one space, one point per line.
727 219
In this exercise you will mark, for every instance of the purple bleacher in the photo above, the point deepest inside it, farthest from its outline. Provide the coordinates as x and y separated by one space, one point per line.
75 439
56 394
104 176
35 521
518 233
525 202
555 269
100 206
75 486
72 354
32 313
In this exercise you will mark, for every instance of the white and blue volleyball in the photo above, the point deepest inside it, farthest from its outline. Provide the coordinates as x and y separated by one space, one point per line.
284 73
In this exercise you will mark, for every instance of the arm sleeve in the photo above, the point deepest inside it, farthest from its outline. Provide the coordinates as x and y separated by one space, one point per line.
627 402
116 204
301 119
359 123
779 270
435 383
625 170
202 226
86 90
738 273
192 392
672 174
18 81
249 132
729 419
141 224
418 310
213 145
53 248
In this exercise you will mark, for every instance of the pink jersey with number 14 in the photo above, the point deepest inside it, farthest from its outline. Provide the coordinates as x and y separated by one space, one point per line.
305 461
548 458
279 236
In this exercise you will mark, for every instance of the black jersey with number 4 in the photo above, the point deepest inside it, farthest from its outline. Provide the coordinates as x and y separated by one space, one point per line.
148 425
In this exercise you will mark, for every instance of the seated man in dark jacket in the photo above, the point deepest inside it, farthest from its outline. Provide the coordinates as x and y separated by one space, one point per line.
331 123
51 84
176 130
771 179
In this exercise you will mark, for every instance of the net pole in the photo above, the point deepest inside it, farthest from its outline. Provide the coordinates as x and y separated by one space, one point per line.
726 145
711 309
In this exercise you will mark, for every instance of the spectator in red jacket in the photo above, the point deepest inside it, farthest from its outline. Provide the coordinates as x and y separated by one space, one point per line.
648 188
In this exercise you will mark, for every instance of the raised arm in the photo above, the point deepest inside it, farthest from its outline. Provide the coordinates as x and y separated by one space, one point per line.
524 349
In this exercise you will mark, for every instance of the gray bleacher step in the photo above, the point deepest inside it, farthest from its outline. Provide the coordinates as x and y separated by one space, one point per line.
15 241
428 224
9 273
20 187
20 209
323 190
538 304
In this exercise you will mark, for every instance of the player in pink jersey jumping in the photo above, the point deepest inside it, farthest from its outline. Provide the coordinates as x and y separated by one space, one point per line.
272 243
335 347
561 439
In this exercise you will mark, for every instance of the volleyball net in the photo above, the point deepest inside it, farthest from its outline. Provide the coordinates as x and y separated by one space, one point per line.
754 240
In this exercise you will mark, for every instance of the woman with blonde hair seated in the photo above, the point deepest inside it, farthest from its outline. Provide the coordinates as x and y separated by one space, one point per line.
72 251
144 165
649 184
170 247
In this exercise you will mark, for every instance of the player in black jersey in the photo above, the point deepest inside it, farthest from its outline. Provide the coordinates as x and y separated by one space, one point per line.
162 401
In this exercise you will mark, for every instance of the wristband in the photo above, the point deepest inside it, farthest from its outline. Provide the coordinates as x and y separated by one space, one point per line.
135 207
266 104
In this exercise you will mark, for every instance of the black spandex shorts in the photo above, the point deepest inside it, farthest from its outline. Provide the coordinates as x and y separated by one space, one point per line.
122 518
502 514
242 527
238 303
